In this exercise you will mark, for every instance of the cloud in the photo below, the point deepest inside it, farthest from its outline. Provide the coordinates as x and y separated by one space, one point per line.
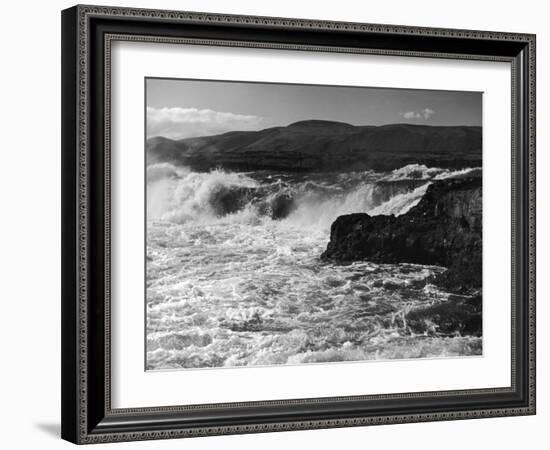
180 123
425 114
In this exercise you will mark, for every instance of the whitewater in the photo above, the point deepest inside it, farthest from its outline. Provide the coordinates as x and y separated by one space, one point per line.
234 275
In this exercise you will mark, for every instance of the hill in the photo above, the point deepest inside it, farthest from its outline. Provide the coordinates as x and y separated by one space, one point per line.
317 145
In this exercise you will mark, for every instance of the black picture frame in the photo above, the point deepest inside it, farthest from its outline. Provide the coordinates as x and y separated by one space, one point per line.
87 32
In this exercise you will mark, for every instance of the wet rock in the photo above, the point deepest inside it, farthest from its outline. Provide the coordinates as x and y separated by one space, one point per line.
281 206
464 274
456 315
228 200
443 229
278 207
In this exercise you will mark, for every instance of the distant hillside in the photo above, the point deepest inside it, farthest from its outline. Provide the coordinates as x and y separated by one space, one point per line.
317 145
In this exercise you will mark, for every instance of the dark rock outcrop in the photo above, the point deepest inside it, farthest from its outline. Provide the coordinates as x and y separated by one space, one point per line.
324 146
456 315
443 229
230 199
281 206
227 200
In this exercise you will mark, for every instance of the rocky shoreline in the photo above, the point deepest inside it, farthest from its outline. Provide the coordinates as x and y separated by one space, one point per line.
443 229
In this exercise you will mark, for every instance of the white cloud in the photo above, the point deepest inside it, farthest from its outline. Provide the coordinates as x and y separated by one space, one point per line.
409 115
180 123
425 114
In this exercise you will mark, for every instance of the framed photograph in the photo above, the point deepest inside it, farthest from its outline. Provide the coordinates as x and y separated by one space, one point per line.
279 224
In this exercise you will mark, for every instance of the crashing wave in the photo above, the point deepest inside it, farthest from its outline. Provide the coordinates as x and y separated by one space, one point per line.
178 195
421 172
400 204
161 171
182 195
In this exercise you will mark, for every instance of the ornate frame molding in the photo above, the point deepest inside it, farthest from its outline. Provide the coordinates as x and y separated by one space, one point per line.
78 427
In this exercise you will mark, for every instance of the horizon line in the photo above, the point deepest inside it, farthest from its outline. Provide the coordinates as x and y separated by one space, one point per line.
321 121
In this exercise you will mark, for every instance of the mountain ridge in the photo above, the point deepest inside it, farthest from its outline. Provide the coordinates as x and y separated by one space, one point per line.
319 145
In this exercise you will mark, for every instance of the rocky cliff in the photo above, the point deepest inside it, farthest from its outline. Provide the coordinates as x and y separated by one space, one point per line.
444 229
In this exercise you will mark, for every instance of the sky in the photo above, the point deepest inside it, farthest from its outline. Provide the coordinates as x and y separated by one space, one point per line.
179 109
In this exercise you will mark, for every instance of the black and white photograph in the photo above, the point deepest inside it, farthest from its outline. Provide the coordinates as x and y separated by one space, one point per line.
274 221
294 224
